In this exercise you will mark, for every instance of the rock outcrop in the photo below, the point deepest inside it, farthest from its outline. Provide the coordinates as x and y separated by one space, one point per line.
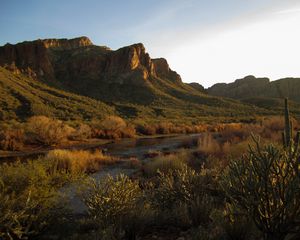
163 70
67 44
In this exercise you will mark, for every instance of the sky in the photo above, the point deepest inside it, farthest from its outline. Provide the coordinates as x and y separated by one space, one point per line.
205 41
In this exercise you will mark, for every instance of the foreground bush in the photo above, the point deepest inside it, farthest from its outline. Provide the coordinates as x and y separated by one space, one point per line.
47 131
266 184
184 188
116 206
29 198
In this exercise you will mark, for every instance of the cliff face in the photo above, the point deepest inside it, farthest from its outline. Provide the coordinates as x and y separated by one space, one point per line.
30 58
34 58
251 87
78 65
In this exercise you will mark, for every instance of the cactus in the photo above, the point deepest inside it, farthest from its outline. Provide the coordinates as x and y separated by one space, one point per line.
265 183
290 146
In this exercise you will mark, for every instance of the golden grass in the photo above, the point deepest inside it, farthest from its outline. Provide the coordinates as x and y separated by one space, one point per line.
165 163
79 160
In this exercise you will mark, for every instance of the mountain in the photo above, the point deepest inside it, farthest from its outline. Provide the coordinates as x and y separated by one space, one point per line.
127 80
252 87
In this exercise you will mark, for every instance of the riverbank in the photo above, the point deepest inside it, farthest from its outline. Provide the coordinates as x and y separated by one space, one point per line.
34 151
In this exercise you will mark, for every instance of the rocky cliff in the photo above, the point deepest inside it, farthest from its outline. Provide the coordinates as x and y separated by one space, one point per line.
69 59
34 58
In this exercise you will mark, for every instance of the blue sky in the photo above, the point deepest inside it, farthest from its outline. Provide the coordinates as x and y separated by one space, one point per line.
205 41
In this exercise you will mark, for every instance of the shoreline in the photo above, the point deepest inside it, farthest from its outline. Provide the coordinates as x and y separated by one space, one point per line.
83 145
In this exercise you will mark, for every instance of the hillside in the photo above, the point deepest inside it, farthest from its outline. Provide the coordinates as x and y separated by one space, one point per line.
127 79
22 97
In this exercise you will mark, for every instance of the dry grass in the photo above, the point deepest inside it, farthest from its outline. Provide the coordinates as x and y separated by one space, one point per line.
208 145
216 154
79 161
165 163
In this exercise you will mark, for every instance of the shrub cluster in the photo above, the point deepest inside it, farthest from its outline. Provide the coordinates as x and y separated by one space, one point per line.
112 127
124 208
47 131
12 140
169 128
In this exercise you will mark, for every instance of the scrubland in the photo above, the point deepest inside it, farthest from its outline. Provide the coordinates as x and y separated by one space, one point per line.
236 181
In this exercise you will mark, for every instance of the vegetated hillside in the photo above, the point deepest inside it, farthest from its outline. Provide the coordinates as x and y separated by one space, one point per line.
251 87
22 97
128 79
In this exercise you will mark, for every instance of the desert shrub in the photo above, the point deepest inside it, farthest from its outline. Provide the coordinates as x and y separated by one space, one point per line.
78 160
165 163
29 197
112 127
128 132
237 132
12 140
164 128
146 129
116 204
235 224
113 123
184 188
168 128
82 132
47 131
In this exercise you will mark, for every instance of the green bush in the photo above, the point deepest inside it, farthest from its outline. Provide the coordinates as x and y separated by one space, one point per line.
29 197
116 205
184 188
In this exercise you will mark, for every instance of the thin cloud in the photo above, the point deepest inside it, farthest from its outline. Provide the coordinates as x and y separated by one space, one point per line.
288 11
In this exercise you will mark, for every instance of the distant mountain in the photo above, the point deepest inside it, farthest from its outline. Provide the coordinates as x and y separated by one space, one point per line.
128 80
251 87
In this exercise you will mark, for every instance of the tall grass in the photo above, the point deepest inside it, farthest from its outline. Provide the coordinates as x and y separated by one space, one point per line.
79 160
166 163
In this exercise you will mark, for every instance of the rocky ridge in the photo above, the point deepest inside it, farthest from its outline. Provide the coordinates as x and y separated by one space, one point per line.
252 87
